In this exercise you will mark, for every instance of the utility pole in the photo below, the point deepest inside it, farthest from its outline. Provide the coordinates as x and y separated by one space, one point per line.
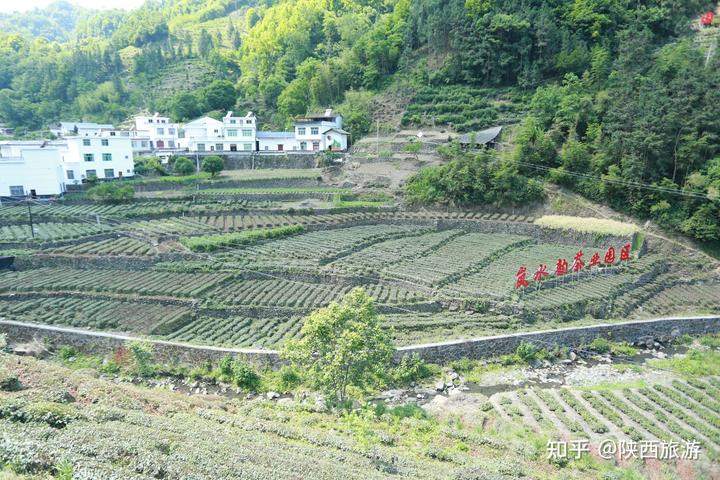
377 138
30 219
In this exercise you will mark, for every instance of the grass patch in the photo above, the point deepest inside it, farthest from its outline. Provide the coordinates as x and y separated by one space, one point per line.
695 363
601 226
603 345
712 341
210 243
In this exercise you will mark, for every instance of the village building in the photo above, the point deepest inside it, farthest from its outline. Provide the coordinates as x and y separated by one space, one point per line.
82 129
322 131
487 138
32 168
42 168
106 157
154 133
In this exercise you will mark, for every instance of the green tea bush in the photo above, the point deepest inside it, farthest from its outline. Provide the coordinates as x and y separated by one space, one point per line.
57 415
9 382
210 243
244 376
141 358
411 369
234 370
111 192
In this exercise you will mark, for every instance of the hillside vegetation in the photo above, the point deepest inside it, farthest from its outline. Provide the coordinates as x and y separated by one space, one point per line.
616 98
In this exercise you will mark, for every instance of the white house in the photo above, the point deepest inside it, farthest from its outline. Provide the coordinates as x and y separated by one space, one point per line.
233 133
277 142
159 132
322 131
30 168
108 156
82 129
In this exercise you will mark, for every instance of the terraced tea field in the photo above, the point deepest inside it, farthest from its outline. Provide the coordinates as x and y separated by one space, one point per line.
110 281
673 411
114 315
435 275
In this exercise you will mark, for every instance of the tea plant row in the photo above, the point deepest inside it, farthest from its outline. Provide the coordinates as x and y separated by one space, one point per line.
113 281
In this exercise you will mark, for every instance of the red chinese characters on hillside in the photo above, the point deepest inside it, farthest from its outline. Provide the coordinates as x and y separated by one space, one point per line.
541 273
707 19
578 265
520 280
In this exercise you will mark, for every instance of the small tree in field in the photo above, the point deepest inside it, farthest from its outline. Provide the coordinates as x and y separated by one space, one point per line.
342 345
183 166
413 147
213 165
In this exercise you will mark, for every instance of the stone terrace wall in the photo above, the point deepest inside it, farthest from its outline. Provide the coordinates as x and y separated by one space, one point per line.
102 343
568 337
241 161
172 352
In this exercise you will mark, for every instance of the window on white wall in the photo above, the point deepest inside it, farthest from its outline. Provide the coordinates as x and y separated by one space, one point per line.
314 130
232 132
109 173
105 142
90 173
86 142
107 157
70 175
301 130
89 157
247 132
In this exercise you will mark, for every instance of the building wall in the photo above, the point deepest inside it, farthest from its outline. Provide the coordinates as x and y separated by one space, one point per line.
119 148
36 169
270 144
336 140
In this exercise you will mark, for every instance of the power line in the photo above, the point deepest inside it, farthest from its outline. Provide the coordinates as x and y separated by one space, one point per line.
625 183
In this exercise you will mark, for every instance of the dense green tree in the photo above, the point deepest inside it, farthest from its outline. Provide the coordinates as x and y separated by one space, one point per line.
183 166
213 165
471 179
342 346
218 95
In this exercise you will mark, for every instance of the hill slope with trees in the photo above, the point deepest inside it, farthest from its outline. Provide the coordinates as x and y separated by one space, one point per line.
617 98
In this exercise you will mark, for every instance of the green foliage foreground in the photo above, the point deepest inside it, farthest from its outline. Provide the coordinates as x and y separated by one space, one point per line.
342 346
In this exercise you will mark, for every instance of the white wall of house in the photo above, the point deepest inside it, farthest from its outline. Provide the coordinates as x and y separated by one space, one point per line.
84 129
31 167
239 134
320 132
103 157
277 142
159 131
335 139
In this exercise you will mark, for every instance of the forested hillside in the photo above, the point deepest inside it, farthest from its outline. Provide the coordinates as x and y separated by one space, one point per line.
613 95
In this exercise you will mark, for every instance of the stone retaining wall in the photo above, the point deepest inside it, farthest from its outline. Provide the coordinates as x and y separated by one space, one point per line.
248 162
568 337
101 343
